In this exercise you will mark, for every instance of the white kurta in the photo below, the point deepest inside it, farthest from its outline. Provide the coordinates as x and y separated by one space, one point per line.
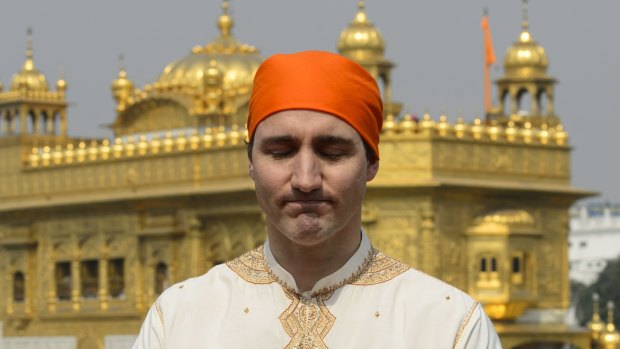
381 303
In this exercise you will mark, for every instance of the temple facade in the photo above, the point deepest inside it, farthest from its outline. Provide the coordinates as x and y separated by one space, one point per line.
92 231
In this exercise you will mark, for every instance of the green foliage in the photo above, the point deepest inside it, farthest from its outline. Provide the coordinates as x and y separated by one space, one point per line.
607 286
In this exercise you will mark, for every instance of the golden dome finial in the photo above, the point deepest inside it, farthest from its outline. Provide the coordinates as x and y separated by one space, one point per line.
61 84
29 63
361 41
610 338
29 50
525 22
525 33
360 17
122 74
225 23
29 78
121 86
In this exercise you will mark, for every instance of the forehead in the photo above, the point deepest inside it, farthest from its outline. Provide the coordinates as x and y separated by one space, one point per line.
302 123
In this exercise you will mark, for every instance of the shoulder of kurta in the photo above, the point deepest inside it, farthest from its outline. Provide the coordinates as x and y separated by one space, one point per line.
191 292
440 301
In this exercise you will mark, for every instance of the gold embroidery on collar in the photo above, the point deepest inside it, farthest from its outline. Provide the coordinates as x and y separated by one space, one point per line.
307 321
251 267
382 269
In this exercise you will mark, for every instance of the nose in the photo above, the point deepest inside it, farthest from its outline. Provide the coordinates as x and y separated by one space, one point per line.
306 172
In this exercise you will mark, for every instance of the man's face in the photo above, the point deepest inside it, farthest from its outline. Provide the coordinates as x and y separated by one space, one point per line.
310 173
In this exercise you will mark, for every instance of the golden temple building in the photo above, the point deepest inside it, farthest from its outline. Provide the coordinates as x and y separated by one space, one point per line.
91 231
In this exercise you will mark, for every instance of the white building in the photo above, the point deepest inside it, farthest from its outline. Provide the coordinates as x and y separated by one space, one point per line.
594 239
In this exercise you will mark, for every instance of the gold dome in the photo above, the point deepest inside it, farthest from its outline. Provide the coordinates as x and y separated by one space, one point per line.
61 83
526 58
122 87
29 78
238 62
361 41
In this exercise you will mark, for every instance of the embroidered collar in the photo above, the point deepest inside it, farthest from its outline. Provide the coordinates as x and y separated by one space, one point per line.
349 272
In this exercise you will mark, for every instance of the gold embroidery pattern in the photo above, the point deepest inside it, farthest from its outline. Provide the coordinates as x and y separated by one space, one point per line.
251 267
382 268
307 321
464 324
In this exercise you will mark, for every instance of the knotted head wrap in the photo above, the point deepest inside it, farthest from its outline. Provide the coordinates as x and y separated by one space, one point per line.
321 81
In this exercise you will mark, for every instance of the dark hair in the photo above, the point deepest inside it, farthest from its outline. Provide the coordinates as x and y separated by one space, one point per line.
370 154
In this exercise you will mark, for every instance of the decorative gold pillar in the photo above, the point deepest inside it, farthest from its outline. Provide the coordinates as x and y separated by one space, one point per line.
75 282
11 120
36 124
513 101
63 122
535 107
550 102
103 282
195 246
3 123
27 288
23 117
9 293
49 122
51 298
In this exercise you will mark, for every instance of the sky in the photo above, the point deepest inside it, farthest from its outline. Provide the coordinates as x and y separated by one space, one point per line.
436 44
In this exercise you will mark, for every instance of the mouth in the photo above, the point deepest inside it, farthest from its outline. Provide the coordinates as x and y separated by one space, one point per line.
306 205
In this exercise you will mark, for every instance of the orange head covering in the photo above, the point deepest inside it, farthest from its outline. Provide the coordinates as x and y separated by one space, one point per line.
320 81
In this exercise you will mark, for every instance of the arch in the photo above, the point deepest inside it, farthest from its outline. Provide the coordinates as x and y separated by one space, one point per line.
161 277
33 122
116 277
63 281
504 98
524 102
89 278
19 287
543 101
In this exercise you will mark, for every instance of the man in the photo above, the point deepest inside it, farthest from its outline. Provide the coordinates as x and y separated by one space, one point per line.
314 125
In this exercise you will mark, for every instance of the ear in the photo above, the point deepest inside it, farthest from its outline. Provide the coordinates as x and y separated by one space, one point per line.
371 170
251 169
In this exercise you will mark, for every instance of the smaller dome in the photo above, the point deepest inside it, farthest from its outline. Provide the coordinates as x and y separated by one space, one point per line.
526 57
61 84
361 41
237 62
29 78
122 88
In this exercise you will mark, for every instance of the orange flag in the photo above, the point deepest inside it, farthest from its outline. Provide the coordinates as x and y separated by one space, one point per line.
489 55
489 59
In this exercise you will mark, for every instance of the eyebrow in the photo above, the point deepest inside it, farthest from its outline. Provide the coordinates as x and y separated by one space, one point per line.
331 139
321 140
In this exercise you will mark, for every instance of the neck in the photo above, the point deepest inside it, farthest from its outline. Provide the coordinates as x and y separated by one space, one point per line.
309 264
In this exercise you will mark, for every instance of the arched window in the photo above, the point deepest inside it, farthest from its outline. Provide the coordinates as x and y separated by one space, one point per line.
161 277
89 277
116 278
524 102
518 267
483 264
63 281
19 287
488 276
543 102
